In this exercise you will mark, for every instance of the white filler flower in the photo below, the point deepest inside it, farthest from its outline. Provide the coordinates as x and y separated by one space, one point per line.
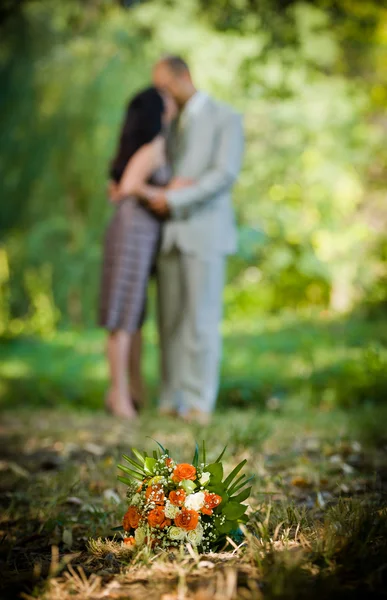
195 537
195 501
176 533
171 511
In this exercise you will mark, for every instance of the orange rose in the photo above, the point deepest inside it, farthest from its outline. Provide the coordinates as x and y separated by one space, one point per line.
177 498
184 471
168 462
131 518
155 493
211 501
156 518
130 541
187 519
206 511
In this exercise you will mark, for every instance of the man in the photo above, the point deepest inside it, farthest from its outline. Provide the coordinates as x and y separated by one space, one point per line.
207 148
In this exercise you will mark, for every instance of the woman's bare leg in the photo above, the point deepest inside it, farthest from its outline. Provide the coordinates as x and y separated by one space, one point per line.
118 351
136 381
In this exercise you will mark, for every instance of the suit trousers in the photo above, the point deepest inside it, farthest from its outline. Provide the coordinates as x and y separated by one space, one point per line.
189 314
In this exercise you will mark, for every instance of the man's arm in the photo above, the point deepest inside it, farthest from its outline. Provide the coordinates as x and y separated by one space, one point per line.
220 177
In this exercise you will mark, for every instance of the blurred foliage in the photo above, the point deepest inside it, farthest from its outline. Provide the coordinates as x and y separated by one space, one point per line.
310 79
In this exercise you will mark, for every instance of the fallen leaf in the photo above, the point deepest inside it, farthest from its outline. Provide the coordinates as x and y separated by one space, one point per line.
300 481
74 500
14 467
347 468
88 508
335 459
94 449
67 537
320 500
206 564
111 496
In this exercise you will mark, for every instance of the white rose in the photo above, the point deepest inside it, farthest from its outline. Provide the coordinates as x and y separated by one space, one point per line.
139 535
176 533
195 537
195 501
171 511
205 478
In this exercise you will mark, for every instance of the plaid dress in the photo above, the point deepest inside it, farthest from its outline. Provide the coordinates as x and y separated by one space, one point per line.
131 243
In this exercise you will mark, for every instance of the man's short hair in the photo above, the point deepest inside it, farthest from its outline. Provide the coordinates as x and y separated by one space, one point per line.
177 64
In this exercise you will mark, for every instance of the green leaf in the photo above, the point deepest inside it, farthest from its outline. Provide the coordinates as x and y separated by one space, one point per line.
225 498
124 480
139 467
234 473
216 470
155 455
235 488
242 496
158 443
195 460
149 465
141 457
217 488
226 526
236 482
119 528
221 454
234 510
131 472
204 452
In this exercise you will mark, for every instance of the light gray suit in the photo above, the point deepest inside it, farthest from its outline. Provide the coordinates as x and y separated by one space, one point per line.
207 148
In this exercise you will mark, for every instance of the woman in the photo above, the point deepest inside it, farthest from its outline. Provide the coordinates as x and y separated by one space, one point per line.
131 242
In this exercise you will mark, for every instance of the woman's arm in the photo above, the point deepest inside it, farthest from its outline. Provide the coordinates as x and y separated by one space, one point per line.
137 171
134 180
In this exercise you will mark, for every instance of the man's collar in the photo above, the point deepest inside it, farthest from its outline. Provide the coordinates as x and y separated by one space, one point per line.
194 104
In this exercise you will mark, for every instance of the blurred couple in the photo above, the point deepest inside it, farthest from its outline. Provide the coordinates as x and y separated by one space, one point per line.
178 157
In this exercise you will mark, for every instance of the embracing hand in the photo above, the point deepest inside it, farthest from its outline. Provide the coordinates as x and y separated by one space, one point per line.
159 204
178 183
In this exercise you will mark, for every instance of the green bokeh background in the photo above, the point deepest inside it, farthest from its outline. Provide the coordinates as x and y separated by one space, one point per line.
306 298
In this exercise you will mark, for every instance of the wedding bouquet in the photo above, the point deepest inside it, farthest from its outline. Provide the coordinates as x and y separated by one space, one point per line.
174 503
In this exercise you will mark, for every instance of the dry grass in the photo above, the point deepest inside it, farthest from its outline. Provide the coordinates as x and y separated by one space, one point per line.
318 511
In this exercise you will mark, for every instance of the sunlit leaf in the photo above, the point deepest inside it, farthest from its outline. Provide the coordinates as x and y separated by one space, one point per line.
234 473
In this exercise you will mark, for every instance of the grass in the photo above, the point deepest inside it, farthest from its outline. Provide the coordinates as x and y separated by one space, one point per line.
301 399
266 358
318 509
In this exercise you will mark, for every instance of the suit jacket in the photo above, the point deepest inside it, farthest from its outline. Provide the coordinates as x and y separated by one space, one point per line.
208 148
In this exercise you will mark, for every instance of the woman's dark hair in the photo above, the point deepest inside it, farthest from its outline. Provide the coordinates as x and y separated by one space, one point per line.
142 123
